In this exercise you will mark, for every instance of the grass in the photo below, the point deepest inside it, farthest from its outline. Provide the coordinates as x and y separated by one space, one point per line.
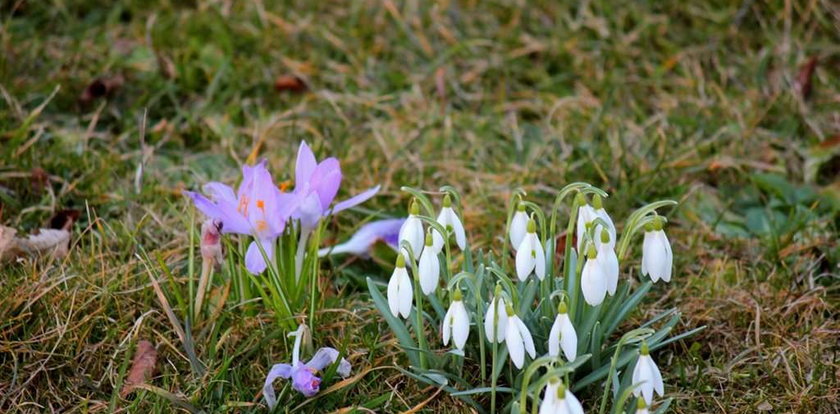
698 102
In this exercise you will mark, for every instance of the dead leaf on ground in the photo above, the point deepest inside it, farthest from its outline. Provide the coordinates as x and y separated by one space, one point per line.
289 83
7 240
142 367
805 77
101 87
64 219
55 242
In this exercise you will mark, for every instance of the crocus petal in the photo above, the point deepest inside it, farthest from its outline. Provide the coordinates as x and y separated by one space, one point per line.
310 211
277 371
355 200
405 294
232 221
361 242
461 325
254 260
305 381
513 339
446 328
325 357
219 192
518 229
527 339
525 258
501 326
592 283
326 179
305 164
429 269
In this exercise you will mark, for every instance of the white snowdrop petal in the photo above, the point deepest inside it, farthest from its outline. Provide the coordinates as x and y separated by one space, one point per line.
458 229
393 294
573 403
539 260
513 339
461 325
405 294
501 326
548 405
524 260
429 269
568 337
592 283
658 385
527 339
446 327
554 338
609 264
646 246
518 228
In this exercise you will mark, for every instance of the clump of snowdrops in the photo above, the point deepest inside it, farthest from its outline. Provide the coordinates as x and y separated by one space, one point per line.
528 325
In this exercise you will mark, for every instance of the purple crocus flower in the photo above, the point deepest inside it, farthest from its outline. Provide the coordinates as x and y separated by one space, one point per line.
360 243
316 185
303 375
258 209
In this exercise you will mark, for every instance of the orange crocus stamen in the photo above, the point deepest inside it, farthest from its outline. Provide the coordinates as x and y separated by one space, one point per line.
284 185
261 225
261 204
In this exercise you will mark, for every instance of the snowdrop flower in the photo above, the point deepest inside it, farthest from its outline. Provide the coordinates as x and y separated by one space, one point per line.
657 257
303 375
647 375
495 319
598 208
530 257
518 226
587 214
361 243
558 400
412 231
450 221
456 323
518 339
258 209
399 290
429 267
562 335
641 406
608 261
593 279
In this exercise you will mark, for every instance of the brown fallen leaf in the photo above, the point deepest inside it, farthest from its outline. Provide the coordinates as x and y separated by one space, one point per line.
101 87
7 241
49 241
38 179
142 367
804 78
289 83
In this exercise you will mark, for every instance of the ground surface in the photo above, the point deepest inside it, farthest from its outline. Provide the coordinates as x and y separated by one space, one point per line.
708 103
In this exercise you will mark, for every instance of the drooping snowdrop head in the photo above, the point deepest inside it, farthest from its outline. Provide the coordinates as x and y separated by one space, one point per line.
647 375
451 223
608 261
600 212
559 400
657 257
400 291
641 406
593 279
563 335
518 339
456 322
412 231
429 267
585 216
530 257
518 226
495 319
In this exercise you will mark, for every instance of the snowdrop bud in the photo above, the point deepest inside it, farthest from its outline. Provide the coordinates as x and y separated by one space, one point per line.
450 221
429 267
608 261
641 406
558 400
657 257
647 375
585 216
593 279
412 231
400 290
530 257
562 335
518 226
456 323
518 339
495 319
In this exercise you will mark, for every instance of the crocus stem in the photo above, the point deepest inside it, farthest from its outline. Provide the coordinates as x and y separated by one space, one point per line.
206 272
301 250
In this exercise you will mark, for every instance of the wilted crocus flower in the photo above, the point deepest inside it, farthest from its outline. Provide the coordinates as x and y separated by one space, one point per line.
495 319
456 322
559 400
361 242
608 262
412 231
647 375
316 185
258 209
593 279
530 257
399 290
429 267
450 221
518 339
657 257
211 255
303 375
563 335
518 226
